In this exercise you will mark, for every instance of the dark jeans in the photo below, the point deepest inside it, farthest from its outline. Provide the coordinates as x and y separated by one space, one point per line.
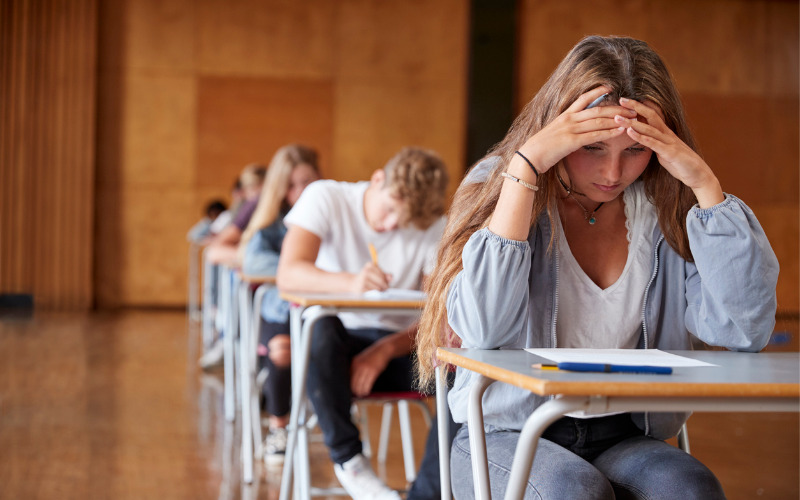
332 349
599 458
278 386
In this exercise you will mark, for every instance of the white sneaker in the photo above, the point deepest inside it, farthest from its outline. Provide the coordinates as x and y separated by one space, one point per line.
360 482
212 357
275 446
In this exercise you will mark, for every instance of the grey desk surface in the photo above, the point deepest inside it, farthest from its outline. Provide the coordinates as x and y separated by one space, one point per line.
737 374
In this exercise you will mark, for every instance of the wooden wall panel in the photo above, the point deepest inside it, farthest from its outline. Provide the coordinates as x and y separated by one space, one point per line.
245 120
47 123
401 80
378 120
277 38
192 91
736 65
159 36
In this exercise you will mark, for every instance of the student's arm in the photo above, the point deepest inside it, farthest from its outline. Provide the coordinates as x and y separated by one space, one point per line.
223 254
487 302
297 271
370 363
730 287
229 236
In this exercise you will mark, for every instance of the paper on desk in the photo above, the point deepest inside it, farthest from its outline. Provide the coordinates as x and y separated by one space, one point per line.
650 357
395 294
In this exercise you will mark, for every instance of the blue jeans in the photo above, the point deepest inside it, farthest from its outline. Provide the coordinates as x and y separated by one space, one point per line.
277 388
333 348
600 458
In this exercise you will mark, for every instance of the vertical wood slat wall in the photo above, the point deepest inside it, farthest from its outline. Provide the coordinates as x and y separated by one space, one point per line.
47 149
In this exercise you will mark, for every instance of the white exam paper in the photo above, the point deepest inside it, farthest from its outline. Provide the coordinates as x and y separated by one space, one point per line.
395 294
650 357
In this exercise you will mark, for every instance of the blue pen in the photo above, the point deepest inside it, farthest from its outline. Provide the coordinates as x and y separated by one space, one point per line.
597 101
606 368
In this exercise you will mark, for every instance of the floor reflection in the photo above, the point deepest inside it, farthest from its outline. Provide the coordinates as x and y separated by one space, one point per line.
111 405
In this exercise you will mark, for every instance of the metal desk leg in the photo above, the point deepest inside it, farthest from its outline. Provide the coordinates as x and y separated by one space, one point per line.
255 395
302 477
301 352
536 424
245 379
295 329
208 300
443 426
477 438
194 281
683 439
228 343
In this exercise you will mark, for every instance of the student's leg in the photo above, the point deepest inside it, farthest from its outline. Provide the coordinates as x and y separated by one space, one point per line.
642 467
332 350
278 386
556 473
397 377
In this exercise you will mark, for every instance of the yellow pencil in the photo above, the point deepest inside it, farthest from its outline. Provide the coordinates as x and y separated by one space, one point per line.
374 254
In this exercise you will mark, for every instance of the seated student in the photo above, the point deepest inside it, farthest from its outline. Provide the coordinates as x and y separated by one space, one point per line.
225 218
599 226
292 169
427 485
223 248
200 232
326 249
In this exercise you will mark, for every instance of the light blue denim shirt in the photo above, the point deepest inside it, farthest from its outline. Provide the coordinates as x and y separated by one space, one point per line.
261 259
506 297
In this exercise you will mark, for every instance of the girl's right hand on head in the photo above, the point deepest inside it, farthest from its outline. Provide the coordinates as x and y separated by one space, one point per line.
370 278
574 128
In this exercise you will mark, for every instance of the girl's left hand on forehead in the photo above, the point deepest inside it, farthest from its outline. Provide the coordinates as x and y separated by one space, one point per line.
681 161
673 154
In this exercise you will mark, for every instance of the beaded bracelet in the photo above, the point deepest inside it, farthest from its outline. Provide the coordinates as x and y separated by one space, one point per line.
528 185
528 162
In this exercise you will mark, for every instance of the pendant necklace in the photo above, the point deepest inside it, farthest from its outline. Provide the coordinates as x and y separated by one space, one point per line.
587 216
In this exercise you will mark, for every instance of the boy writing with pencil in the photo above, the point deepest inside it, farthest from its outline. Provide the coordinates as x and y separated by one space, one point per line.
356 237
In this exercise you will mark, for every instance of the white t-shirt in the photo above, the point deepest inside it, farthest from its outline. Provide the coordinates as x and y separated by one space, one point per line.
610 318
334 211
221 221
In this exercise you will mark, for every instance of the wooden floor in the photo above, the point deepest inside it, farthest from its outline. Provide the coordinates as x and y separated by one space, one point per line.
110 405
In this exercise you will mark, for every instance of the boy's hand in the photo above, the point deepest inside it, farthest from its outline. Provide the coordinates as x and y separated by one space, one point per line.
367 366
370 278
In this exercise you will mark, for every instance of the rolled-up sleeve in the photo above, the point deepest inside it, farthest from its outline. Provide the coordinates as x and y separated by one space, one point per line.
730 287
487 302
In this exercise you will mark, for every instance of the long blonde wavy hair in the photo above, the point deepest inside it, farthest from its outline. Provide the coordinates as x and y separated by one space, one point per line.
276 185
631 69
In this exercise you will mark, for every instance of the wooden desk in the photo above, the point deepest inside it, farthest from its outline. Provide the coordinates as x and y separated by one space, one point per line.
351 302
306 310
740 382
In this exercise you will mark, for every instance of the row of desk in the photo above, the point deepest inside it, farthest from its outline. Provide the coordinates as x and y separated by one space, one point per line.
739 382
240 300
747 382
306 310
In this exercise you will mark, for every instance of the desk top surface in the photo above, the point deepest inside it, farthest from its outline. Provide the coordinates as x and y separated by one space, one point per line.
738 374
349 300
257 280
